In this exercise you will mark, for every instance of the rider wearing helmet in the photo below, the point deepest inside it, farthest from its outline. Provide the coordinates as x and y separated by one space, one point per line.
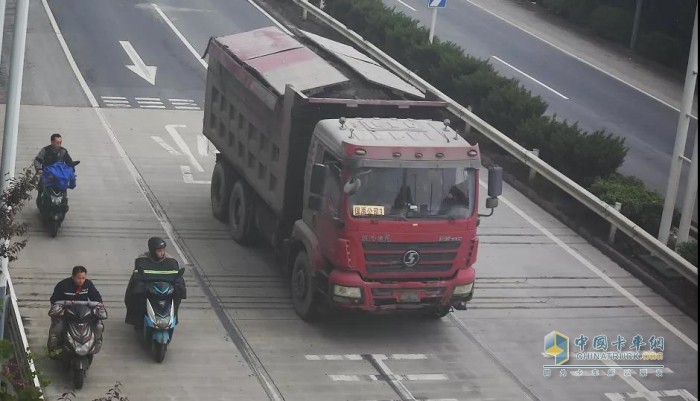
154 265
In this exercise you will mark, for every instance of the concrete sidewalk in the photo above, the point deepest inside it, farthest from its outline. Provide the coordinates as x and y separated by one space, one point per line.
613 59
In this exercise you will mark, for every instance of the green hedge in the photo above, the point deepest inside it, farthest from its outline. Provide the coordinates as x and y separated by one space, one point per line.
642 206
500 101
689 251
612 23
664 31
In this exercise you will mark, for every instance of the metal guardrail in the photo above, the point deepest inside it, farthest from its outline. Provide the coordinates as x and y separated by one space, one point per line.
589 200
15 330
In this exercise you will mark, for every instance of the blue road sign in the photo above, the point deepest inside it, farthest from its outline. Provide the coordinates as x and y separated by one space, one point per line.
437 3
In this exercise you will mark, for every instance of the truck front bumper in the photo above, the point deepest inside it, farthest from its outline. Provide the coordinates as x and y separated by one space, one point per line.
347 289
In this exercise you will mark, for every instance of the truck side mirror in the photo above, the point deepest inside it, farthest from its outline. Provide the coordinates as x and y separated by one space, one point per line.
318 178
495 182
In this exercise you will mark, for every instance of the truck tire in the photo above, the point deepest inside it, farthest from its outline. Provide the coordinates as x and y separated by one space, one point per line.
306 300
240 214
220 191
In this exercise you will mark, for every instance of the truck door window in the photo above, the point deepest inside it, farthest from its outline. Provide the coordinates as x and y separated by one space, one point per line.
333 185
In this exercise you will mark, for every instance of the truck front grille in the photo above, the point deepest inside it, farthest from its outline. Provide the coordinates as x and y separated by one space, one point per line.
387 257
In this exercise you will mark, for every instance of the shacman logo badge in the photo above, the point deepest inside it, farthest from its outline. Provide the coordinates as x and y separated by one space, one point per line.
557 345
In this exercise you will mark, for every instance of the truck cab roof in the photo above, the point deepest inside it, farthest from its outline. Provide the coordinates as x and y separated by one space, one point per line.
392 135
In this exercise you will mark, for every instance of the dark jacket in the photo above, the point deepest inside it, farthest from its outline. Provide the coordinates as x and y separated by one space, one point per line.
49 155
147 269
66 290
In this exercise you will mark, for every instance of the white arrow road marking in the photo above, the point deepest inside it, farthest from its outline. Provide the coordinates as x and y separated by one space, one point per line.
165 146
183 146
140 68
188 178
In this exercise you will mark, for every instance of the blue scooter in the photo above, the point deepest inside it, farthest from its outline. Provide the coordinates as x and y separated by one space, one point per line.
160 318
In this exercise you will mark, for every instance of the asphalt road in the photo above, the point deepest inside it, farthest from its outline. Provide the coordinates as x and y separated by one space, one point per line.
145 172
574 91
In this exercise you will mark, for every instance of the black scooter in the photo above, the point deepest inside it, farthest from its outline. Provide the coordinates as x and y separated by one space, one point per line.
53 204
79 344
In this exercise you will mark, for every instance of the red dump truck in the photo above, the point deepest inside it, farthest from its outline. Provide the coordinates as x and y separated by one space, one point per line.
366 193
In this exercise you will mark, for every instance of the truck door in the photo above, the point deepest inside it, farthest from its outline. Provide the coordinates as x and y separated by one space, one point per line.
326 223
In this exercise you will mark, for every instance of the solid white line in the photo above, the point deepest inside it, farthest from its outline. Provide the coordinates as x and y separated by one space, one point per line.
634 383
182 100
576 57
179 35
183 145
282 27
152 106
406 5
529 76
148 98
187 107
149 102
118 105
692 344
166 146
69 56
113 97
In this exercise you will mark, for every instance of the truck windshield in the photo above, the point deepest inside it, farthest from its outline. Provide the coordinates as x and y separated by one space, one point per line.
413 193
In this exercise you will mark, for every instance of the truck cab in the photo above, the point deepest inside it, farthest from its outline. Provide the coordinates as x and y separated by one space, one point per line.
393 207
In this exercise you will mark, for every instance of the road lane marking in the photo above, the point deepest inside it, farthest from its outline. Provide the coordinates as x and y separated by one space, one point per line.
166 146
400 1
138 66
577 58
395 377
585 262
265 13
358 357
202 145
171 128
179 35
682 393
189 178
531 77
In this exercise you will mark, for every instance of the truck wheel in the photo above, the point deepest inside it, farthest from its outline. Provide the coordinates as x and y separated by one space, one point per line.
306 301
240 214
220 191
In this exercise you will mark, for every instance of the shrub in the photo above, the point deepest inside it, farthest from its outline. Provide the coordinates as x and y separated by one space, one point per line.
689 251
642 206
612 23
580 156
662 48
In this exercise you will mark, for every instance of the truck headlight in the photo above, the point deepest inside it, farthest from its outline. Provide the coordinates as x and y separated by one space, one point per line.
463 289
347 292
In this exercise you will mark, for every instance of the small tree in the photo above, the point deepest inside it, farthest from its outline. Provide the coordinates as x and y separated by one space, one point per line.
11 203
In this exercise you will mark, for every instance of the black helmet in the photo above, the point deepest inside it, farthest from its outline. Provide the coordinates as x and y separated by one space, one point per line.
155 243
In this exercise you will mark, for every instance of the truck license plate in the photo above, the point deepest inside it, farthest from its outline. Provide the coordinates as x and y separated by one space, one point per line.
409 296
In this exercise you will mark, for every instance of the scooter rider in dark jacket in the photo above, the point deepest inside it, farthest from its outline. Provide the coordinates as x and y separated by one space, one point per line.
154 265
74 288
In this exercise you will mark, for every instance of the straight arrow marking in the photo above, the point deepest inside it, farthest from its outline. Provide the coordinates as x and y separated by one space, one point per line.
140 68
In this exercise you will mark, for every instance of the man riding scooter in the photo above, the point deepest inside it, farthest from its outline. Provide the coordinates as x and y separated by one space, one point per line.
154 265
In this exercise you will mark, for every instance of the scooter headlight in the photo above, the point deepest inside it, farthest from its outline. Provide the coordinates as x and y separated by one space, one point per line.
56 200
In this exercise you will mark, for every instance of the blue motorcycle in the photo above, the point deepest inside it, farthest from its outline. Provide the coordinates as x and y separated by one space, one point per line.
160 318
